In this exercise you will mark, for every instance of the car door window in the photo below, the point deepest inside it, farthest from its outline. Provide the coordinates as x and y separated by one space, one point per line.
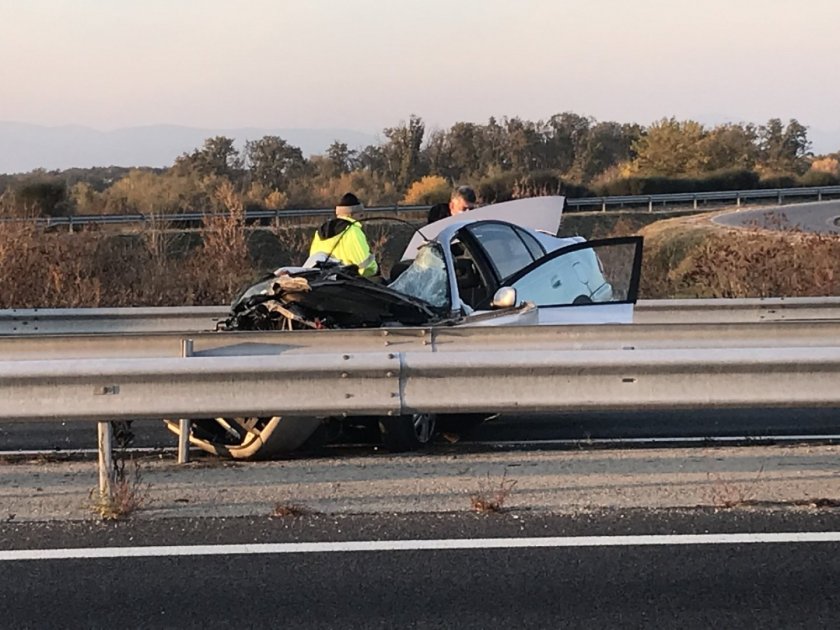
533 245
594 272
505 250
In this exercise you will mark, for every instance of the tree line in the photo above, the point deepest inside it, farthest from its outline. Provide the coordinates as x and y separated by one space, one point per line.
503 159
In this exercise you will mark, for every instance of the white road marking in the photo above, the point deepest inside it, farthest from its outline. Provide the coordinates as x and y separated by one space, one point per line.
418 545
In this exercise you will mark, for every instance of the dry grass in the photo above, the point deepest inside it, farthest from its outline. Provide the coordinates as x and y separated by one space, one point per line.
491 497
157 265
692 258
722 494
290 510
128 493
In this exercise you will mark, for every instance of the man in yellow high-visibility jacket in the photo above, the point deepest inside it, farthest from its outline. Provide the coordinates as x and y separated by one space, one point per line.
342 238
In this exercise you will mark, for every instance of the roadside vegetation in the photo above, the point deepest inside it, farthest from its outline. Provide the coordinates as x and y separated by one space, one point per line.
159 265
502 159
491 496
168 263
129 492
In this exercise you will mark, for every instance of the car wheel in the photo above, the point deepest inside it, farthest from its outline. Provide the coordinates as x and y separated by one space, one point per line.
582 299
408 432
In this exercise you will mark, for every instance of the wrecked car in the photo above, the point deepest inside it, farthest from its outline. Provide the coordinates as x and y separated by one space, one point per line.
500 265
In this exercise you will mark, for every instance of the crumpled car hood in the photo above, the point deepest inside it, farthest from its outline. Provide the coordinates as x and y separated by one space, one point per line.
328 298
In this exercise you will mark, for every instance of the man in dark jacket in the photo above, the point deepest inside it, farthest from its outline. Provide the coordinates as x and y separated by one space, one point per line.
463 198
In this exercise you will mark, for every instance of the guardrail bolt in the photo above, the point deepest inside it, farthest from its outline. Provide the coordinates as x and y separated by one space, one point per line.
344 375
389 374
346 357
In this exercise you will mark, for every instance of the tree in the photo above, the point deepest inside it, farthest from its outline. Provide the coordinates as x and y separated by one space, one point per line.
218 157
783 149
567 137
524 145
670 148
273 162
372 159
342 159
729 146
402 152
605 145
465 140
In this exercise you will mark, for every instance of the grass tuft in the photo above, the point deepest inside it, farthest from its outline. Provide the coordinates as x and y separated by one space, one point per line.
726 495
290 510
491 497
128 493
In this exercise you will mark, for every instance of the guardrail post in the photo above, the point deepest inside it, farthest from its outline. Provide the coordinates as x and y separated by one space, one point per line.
106 458
780 196
184 424
695 202
738 200
70 224
650 204
603 204
819 194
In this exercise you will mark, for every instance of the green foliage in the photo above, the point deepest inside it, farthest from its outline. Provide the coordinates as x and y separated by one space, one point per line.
402 152
497 188
783 149
217 158
274 163
503 158
819 178
43 196
669 148
721 180
146 192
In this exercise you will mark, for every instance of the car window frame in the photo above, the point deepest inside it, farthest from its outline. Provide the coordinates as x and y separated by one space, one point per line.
485 255
635 273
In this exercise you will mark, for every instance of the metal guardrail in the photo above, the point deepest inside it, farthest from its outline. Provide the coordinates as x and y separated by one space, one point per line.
395 383
294 344
26 322
695 198
738 196
386 372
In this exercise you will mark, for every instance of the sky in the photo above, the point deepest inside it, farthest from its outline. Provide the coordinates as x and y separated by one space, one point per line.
368 64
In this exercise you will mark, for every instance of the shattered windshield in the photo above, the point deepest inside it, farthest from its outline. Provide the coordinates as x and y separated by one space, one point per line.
426 278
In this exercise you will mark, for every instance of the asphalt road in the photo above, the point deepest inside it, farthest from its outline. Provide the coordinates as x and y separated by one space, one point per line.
667 585
820 216
635 425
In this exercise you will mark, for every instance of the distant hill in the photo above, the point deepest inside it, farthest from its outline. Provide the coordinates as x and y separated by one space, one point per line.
25 147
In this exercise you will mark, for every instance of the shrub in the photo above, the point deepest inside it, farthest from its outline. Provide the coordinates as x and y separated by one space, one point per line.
428 190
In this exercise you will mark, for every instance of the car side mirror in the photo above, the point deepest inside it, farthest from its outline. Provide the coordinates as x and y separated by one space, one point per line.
504 297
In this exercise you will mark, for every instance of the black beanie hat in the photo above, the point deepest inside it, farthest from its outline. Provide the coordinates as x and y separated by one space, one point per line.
349 199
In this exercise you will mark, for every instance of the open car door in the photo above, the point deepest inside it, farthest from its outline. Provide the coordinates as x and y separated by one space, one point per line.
593 282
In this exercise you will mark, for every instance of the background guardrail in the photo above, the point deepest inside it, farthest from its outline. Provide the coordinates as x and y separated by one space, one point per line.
737 196
23 322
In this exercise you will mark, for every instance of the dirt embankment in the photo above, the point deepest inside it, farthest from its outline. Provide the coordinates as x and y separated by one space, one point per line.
691 257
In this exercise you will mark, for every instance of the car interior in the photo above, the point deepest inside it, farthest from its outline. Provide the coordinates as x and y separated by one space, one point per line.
471 285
